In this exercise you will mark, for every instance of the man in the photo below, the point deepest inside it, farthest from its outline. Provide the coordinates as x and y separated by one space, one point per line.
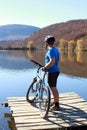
51 63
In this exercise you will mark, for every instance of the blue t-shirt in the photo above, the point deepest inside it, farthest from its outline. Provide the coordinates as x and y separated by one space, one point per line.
53 53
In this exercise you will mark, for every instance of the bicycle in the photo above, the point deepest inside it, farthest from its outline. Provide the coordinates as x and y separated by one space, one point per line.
39 92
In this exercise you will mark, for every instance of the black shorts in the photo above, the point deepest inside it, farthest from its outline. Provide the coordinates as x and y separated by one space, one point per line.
52 78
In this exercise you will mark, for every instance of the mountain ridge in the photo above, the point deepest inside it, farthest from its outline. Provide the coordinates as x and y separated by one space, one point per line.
70 30
16 31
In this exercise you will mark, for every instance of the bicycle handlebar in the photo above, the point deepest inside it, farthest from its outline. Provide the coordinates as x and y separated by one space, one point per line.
40 65
37 63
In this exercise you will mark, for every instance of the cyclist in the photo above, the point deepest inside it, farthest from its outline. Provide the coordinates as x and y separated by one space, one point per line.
51 63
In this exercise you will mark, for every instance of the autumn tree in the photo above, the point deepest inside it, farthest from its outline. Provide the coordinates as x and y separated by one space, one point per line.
63 44
82 45
31 45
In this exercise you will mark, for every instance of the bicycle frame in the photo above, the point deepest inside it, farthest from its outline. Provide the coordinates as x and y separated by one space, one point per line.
40 83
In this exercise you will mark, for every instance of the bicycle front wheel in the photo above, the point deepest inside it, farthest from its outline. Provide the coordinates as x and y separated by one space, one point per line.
44 102
32 91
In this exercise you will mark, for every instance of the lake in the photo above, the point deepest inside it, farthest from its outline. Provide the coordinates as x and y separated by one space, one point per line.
17 72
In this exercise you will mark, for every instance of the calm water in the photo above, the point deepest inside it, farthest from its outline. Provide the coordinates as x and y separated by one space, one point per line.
16 73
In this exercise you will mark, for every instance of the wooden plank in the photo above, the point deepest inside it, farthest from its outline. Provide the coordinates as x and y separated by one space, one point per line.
17 101
55 125
73 113
62 95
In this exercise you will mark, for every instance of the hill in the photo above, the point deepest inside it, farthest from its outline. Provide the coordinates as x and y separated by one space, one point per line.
16 32
70 30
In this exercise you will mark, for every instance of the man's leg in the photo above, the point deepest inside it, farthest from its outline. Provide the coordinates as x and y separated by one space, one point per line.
52 79
55 94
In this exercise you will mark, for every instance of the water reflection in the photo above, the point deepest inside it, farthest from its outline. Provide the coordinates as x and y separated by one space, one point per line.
16 60
11 122
74 64
82 57
71 56
31 54
71 63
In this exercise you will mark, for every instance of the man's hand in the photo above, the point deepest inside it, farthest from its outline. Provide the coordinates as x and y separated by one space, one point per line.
43 68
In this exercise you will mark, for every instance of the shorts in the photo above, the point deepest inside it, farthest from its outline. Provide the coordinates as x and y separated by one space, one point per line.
52 78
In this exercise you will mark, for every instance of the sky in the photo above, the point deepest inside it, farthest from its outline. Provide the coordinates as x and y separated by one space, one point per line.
41 13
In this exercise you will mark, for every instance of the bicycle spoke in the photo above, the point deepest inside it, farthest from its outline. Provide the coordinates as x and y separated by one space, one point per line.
32 92
44 104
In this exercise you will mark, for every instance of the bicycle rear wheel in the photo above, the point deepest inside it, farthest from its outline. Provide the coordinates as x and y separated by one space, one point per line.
32 91
44 103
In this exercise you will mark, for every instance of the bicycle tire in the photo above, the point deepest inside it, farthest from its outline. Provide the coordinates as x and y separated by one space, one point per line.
31 92
44 104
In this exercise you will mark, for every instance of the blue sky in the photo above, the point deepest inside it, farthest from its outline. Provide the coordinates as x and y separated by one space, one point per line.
41 13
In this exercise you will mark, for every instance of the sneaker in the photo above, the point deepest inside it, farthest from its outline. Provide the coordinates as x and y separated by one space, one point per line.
55 108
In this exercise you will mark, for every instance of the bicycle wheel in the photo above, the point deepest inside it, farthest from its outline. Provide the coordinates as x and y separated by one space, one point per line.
32 91
44 102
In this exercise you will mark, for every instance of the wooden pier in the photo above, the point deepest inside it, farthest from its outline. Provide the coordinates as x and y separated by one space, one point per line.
73 114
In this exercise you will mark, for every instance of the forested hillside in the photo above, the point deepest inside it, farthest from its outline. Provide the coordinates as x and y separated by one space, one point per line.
65 32
71 30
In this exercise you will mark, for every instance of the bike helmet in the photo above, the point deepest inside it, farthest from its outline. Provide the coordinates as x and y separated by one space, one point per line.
49 39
